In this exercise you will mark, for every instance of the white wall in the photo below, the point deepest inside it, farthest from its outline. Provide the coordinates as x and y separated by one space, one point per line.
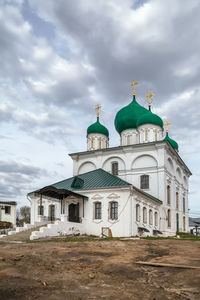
126 224
97 141
8 217
158 161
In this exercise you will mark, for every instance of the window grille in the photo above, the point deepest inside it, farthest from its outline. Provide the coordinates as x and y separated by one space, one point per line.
115 168
97 209
144 181
114 210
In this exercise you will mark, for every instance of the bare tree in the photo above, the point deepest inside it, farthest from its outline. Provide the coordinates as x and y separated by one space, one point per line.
25 214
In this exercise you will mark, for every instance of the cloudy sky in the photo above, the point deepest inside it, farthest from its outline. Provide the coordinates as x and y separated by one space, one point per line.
58 59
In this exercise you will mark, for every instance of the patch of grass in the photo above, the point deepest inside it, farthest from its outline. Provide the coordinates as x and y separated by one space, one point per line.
182 235
76 239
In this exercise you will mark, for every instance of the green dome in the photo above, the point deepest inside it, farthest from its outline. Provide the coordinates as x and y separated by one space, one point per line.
97 127
127 117
172 142
150 118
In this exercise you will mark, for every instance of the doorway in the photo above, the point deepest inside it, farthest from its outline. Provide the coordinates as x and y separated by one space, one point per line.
51 212
74 212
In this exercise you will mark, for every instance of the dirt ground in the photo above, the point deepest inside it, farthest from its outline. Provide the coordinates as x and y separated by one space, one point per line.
99 270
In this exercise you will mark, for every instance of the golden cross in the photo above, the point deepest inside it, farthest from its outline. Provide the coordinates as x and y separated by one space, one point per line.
148 96
133 84
97 108
166 124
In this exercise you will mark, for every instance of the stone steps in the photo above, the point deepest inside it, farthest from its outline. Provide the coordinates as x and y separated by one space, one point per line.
58 228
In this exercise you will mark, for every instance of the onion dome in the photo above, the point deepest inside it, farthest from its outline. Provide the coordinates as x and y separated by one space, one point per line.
97 127
172 142
150 118
127 117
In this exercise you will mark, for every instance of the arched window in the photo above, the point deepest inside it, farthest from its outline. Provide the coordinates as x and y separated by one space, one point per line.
144 181
40 210
128 139
156 218
177 200
137 212
183 223
113 210
168 195
99 143
169 218
156 135
150 217
92 143
144 215
97 210
184 204
146 134
115 168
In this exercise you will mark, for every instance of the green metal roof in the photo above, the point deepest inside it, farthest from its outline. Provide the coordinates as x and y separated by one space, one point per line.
127 117
172 142
150 118
90 180
97 127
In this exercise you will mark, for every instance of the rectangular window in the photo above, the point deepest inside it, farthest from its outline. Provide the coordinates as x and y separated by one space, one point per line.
177 200
7 210
115 168
114 210
97 209
144 182
184 205
168 195
137 212
183 223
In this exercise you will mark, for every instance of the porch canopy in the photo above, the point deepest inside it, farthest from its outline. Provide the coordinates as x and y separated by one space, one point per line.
53 192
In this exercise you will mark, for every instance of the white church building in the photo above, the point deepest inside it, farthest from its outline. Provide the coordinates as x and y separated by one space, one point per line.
137 188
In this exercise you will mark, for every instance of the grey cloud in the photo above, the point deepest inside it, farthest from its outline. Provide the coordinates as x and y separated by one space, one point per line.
17 178
120 54
14 167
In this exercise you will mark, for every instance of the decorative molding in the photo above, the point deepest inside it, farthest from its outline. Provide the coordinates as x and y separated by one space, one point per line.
113 196
97 197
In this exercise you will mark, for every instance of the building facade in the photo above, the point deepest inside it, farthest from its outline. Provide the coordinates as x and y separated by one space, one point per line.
8 212
138 187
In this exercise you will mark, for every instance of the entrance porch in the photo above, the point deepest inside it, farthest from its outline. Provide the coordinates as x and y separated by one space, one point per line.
60 204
